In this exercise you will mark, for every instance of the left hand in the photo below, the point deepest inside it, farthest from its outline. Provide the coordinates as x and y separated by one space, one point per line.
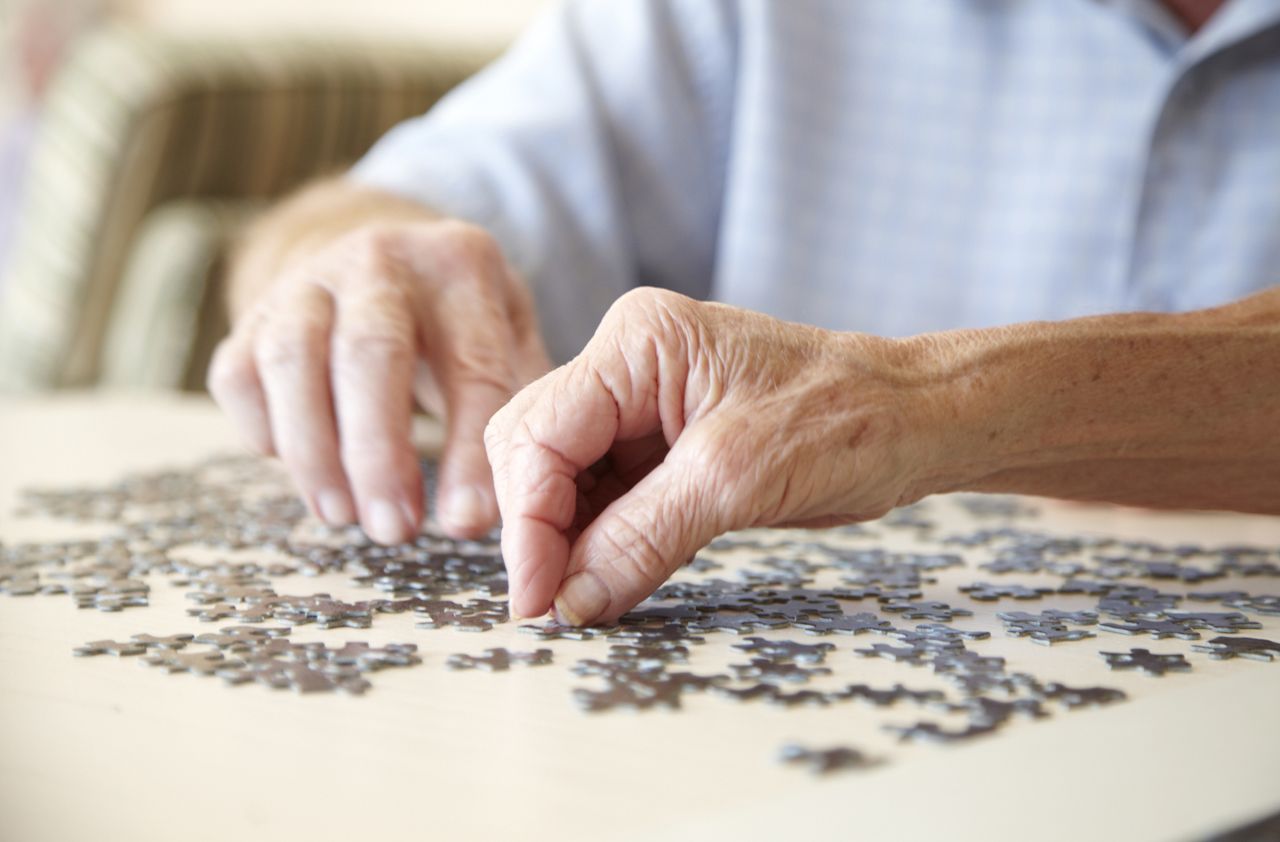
681 420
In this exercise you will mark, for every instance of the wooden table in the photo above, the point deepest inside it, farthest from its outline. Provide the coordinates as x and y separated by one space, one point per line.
99 748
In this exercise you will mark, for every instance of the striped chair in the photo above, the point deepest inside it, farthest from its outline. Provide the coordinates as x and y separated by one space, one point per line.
154 149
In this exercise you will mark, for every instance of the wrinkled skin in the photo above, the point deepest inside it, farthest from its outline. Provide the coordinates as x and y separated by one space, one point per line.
322 370
682 420
679 421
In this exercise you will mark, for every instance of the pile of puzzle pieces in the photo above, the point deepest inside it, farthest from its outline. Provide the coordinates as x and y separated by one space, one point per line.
762 589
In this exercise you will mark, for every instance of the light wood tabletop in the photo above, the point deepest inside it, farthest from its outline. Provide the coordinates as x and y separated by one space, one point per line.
103 748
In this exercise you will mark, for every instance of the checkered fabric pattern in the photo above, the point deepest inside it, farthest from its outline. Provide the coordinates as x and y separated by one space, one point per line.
885 166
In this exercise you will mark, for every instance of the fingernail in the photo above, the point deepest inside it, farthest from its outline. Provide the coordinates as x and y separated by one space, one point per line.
583 598
335 507
466 507
384 523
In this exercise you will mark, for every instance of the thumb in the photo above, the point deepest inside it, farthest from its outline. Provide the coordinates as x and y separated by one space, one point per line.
636 543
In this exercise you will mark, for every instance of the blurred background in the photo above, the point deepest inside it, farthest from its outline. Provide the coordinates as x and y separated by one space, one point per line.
138 136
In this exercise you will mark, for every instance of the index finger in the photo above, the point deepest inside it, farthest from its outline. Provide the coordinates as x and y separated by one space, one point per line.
538 444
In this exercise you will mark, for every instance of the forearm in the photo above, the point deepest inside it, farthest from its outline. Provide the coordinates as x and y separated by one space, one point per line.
1162 410
303 223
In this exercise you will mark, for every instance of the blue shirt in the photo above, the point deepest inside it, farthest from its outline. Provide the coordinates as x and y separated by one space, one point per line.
876 165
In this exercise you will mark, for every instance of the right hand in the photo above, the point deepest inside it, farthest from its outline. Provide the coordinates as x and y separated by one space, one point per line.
323 368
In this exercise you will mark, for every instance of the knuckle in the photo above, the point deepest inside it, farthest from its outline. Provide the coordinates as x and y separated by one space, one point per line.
288 345
468 242
374 241
650 300
651 311
373 257
373 346
230 372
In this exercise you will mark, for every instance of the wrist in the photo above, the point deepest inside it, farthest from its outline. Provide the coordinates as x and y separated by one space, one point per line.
947 400
1074 408
901 399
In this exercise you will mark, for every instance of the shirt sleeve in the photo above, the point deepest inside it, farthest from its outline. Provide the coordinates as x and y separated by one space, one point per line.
594 150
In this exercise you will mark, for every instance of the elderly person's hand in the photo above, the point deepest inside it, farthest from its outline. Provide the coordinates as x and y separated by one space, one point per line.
682 420
323 366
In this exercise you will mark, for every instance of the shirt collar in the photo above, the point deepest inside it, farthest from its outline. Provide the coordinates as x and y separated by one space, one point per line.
1235 21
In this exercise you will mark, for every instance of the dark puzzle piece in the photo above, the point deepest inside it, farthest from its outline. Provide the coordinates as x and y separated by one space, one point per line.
751 693
1159 629
1149 662
987 592
660 614
369 658
300 677
798 698
932 610
937 636
1259 604
763 669
559 631
1047 627
827 760
641 691
733 623
649 655
904 654
884 697
882 593
670 633
478 615
498 660
983 710
173 641
1086 587
844 624
933 732
109 647
1226 622
1253 648
240 638
1131 602
1076 697
200 663
809 653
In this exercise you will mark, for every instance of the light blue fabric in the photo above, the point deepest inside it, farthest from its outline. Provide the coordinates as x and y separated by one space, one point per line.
892 166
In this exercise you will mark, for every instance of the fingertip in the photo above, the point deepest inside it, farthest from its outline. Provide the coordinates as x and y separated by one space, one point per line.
583 599
467 511
387 523
334 507
535 556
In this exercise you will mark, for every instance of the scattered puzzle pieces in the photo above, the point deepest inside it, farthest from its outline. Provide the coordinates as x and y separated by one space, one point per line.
768 586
